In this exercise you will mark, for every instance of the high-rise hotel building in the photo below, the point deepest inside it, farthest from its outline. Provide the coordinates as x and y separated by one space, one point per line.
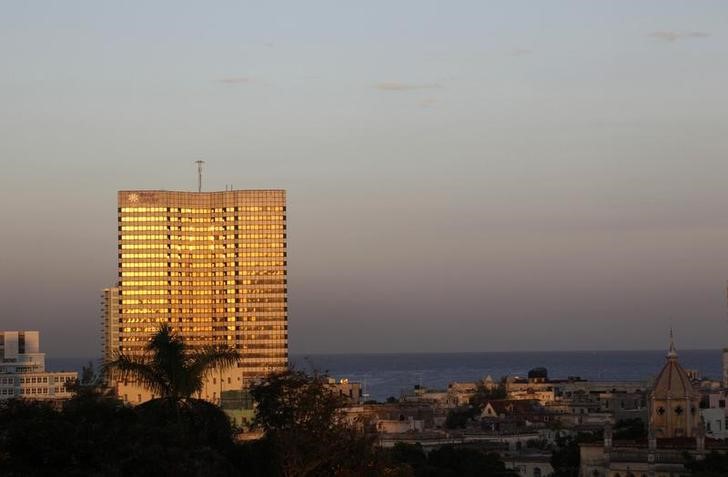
213 266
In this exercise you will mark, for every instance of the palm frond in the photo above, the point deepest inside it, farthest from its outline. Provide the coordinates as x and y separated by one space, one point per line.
138 369
203 361
168 357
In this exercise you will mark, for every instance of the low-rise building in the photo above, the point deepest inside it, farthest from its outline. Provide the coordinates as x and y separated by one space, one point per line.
350 391
22 369
460 394
421 394
399 426
239 407
715 423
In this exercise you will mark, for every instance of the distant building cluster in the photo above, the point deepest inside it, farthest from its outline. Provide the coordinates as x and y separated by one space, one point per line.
638 428
22 369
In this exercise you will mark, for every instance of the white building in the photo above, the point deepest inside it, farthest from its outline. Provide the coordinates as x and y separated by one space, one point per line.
22 369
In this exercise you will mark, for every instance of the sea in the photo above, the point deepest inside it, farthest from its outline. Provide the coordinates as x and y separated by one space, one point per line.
385 375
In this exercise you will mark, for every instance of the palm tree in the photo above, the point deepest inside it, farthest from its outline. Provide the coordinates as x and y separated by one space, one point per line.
169 368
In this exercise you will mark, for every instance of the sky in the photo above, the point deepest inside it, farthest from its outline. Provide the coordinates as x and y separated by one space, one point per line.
461 176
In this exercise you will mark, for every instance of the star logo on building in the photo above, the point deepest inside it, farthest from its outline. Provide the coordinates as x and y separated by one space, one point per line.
133 197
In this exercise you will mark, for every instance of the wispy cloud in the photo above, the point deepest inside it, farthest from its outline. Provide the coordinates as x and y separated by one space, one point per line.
672 36
520 52
235 80
397 86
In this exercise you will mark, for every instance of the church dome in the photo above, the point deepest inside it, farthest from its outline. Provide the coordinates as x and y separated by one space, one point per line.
673 381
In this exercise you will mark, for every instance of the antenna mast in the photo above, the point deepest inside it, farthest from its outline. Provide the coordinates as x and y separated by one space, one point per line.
199 175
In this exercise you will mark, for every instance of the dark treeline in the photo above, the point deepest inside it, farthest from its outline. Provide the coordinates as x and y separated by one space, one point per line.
305 434
304 427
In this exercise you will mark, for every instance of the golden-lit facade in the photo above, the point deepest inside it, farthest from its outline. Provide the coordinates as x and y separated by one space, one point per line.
212 265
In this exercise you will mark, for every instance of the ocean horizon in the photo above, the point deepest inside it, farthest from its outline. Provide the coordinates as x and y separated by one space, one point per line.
391 374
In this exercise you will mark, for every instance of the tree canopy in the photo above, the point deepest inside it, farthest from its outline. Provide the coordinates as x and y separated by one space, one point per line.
446 461
96 435
307 433
307 430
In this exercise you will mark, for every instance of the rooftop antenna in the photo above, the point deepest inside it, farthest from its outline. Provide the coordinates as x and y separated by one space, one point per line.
199 175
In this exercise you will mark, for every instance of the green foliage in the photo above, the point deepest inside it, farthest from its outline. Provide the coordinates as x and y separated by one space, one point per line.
447 461
565 458
90 384
306 434
94 434
88 374
97 435
306 431
459 417
170 369
482 395
411 454
392 400
466 462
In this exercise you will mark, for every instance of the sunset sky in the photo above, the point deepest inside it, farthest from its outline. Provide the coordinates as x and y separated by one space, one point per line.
461 176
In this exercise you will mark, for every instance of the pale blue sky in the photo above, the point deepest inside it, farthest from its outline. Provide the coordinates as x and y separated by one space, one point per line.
462 175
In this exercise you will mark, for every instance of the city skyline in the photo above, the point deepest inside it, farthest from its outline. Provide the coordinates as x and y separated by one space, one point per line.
471 178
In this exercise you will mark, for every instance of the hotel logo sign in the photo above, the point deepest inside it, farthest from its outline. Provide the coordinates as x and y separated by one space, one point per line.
141 198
